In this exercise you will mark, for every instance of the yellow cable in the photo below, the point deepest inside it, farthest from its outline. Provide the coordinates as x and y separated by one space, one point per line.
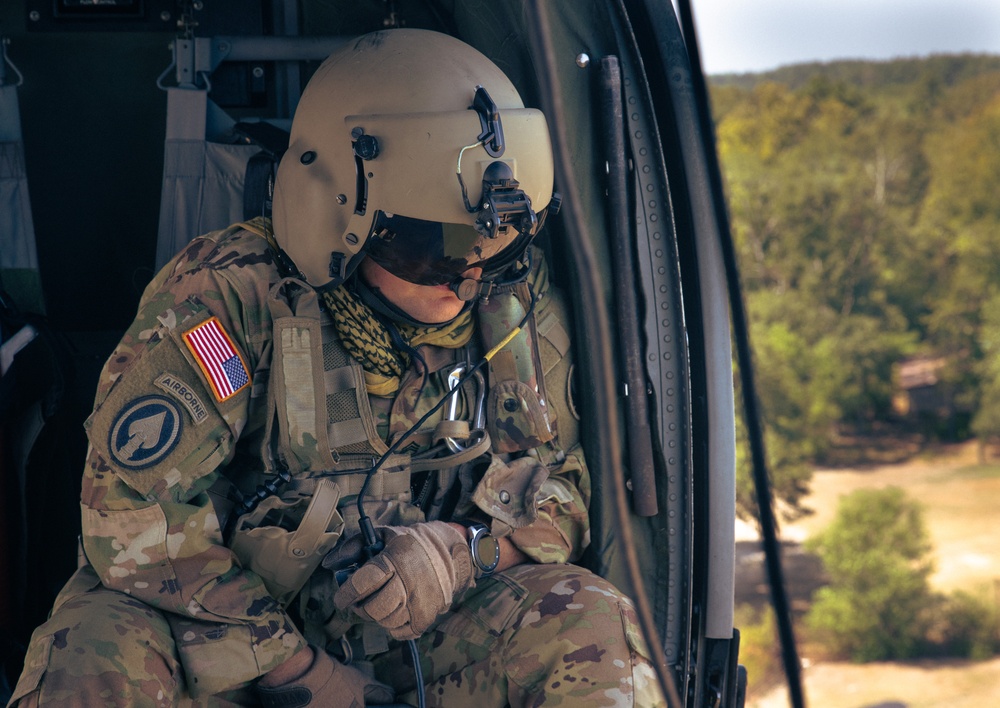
503 343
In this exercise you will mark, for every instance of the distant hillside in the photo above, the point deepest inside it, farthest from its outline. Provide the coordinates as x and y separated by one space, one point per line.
943 69
863 204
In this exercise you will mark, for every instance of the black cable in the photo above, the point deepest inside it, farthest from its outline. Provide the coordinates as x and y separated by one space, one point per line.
599 330
374 544
418 672
772 549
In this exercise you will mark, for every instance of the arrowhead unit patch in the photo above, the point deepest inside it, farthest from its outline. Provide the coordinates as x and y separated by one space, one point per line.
144 432
222 365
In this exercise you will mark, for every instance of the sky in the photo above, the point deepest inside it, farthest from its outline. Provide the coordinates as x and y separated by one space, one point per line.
757 35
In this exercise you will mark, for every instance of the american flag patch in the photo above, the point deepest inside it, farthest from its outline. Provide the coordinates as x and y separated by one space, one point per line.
219 361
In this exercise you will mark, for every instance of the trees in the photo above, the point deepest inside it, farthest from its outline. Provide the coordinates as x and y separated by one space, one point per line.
878 603
862 202
962 219
986 424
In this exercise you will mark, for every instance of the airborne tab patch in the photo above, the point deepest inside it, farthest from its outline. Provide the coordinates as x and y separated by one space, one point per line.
184 393
218 359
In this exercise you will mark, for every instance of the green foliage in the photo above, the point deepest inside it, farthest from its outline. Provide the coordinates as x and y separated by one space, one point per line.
877 605
863 205
960 218
941 71
968 625
986 424
760 651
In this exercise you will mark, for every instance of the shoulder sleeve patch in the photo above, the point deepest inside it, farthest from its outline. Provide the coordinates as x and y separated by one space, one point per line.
144 432
220 362
159 427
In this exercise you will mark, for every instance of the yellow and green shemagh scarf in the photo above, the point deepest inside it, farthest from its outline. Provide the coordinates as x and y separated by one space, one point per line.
368 340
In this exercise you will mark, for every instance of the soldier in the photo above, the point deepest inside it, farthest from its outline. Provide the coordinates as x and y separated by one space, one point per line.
336 457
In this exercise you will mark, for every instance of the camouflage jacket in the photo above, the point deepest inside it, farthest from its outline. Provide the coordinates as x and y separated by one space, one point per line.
174 416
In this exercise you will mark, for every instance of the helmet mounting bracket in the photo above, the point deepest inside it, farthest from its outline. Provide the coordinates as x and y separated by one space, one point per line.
489 120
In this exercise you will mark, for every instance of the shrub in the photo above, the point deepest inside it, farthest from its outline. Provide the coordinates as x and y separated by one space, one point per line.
968 626
878 603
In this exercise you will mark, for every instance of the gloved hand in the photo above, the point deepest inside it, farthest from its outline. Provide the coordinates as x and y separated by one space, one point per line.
412 581
326 682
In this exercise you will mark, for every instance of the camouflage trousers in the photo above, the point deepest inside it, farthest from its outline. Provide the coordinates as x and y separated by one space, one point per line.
534 635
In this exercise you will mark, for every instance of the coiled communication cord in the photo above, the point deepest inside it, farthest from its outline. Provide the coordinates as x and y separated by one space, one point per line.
373 544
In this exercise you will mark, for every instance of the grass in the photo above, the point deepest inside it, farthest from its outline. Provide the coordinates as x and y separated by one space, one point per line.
978 472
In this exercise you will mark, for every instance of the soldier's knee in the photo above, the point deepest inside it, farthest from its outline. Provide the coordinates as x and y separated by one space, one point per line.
580 638
100 644
569 591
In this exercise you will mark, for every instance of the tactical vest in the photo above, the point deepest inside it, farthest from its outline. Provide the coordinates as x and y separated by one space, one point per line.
321 434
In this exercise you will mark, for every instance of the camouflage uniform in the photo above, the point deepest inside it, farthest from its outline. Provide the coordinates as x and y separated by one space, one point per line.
167 614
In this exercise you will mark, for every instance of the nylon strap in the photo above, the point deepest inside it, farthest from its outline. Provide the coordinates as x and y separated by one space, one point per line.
296 392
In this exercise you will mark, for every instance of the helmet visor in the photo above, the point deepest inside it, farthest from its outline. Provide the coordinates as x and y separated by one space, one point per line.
433 253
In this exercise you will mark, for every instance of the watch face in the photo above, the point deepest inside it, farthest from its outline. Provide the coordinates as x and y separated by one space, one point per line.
489 551
485 549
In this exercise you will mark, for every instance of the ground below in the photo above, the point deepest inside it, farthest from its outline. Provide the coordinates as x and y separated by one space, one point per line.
960 496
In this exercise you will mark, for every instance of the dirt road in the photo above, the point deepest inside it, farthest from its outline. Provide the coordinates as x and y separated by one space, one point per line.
895 685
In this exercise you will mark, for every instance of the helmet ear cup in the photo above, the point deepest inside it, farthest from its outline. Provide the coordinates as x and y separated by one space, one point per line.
398 122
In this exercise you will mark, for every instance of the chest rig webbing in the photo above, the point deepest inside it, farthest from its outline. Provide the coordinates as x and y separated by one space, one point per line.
321 439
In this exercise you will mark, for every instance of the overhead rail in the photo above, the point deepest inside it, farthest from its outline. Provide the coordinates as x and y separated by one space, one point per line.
197 58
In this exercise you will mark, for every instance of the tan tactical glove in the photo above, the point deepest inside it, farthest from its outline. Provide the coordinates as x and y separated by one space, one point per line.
412 581
326 682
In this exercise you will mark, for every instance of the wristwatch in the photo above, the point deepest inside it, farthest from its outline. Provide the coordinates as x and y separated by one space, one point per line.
485 549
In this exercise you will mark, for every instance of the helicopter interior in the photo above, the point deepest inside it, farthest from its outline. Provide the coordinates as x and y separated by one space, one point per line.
128 127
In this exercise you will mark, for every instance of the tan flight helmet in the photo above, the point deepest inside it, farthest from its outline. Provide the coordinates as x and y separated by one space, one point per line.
412 148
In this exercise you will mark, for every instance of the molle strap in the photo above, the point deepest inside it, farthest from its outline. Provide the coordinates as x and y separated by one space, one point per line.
296 400
385 484
517 411
552 331
350 422
478 443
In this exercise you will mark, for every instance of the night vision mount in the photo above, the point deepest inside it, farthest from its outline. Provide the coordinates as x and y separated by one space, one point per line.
503 204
